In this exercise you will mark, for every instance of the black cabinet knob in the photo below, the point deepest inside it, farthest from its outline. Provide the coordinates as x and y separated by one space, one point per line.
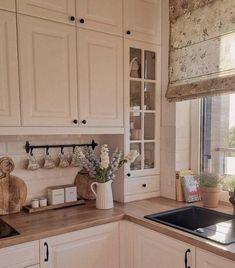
82 20
72 18
75 121
84 122
128 32
128 174
144 185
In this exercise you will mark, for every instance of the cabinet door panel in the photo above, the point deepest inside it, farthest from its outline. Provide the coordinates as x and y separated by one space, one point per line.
58 10
101 15
100 79
19 256
206 259
143 19
93 247
47 53
7 5
9 82
152 250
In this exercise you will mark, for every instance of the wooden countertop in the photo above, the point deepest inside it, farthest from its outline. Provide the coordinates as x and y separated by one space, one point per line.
50 223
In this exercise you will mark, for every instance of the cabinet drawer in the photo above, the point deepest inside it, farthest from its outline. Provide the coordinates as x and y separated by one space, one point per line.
19 256
142 185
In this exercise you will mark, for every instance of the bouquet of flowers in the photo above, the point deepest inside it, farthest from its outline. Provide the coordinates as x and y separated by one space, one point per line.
104 169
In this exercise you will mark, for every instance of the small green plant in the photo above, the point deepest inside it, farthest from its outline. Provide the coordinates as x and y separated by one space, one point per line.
209 180
229 183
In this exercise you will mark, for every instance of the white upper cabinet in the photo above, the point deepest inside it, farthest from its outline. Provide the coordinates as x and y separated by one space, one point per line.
142 20
48 82
7 5
100 15
100 79
57 10
9 82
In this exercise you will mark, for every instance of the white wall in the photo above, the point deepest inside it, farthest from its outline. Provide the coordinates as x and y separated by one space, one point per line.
183 135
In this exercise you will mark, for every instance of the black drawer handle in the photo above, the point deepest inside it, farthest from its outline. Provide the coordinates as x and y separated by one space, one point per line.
47 252
82 21
84 122
75 121
144 185
128 174
128 32
186 258
72 18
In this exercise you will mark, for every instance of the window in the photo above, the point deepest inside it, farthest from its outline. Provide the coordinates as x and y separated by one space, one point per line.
218 135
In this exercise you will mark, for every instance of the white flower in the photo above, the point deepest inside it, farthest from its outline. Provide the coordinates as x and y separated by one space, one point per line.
79 153
131 157
104 156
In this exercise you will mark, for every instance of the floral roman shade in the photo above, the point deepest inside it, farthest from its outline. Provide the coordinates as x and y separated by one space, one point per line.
202 48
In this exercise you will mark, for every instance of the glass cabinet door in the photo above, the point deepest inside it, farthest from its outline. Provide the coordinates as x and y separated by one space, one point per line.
142 110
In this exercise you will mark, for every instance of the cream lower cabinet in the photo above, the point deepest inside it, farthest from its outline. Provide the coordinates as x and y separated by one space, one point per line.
20 256
48 76
93 247
148 249
205 259
9 81
100 79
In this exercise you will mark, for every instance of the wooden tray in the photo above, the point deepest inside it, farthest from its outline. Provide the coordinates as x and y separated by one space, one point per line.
64 205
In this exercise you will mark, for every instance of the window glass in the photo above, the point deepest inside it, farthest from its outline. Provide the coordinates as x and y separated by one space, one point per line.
218 135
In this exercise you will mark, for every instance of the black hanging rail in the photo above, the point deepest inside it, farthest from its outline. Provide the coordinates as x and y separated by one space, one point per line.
29 147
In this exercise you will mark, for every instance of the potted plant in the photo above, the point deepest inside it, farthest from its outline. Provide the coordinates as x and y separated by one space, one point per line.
229 184
210 187
103 171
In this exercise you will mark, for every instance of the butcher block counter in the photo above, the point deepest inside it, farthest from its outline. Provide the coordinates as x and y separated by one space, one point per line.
46 224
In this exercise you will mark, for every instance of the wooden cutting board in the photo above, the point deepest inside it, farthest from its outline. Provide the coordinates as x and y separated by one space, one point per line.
13 190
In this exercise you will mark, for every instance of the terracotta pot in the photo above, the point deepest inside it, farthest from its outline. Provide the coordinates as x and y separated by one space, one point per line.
210 196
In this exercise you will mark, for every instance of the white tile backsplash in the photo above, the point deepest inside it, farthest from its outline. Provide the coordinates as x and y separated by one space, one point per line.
38 181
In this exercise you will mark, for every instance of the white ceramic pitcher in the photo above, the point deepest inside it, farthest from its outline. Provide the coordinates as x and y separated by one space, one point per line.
103 193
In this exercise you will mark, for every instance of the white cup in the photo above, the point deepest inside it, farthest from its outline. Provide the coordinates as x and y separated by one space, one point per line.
35 203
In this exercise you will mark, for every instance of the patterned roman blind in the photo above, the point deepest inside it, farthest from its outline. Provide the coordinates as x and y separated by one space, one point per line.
202 48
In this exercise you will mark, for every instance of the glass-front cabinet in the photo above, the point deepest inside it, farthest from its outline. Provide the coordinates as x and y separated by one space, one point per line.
142 96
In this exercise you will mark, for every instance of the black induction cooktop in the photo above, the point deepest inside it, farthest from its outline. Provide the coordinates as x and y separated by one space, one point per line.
6 230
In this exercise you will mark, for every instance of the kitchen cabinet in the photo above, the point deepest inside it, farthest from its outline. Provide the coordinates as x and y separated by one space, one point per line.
7 5
149 249
20 256
101 15
142 20
100 79
9 81
48 81
92 247
142 87
205 259
61 11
